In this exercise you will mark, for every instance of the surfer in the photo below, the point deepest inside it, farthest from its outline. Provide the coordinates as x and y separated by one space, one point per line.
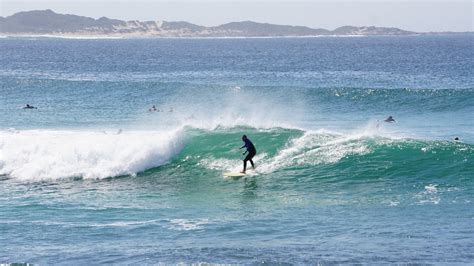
251 152
29 107
153 109
390 119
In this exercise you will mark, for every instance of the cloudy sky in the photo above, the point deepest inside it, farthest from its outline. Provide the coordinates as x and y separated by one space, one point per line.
415 15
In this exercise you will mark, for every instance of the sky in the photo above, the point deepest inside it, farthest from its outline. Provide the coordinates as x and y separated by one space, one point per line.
415 15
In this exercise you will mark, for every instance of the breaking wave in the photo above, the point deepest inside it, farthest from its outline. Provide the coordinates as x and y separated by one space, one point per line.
44 154
48 154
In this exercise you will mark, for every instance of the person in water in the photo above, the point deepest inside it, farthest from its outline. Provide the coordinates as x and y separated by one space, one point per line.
390 119
251 152
29 107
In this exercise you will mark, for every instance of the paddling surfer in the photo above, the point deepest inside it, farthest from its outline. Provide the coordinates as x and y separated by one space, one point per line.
251 152
29 107
390 119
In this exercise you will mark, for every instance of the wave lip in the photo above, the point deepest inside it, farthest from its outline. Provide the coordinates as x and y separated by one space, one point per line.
45 154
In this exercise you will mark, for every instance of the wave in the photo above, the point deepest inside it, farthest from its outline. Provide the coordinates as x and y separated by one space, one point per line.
300 150
309 149
47 154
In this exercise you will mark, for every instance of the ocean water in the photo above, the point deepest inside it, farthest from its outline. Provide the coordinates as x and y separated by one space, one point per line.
92 176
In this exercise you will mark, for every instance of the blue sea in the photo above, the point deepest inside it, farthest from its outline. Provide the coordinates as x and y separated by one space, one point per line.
92 176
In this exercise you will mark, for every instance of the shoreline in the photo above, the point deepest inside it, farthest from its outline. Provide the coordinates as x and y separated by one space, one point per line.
132 36
115 37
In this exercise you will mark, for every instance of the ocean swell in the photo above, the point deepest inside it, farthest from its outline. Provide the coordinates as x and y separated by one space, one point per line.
32 155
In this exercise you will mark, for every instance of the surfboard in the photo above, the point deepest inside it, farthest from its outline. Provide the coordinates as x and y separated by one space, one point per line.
231 174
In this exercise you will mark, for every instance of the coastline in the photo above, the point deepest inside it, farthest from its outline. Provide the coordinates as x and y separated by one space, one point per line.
113 37
198 37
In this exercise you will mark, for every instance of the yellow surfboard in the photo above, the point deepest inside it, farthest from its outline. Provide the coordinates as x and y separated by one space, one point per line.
233 174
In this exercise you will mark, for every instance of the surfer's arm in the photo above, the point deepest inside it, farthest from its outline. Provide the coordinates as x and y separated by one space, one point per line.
242 147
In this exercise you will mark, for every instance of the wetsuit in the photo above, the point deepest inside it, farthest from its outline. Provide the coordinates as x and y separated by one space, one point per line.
251 153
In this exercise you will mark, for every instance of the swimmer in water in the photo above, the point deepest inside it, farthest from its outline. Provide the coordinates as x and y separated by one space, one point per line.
29 107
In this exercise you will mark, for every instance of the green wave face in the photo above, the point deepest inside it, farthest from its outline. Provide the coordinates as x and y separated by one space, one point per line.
288 153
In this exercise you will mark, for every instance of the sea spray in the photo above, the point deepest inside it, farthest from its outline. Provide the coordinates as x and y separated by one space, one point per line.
47 154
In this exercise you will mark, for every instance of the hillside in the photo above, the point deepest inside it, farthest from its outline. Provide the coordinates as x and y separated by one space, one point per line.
47 22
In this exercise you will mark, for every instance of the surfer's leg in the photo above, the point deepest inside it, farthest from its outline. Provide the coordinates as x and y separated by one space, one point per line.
250 157
247 158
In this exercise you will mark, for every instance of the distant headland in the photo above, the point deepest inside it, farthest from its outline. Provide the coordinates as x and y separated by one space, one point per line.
47 22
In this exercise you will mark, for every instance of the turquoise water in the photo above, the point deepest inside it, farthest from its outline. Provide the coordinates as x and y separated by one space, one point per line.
92 176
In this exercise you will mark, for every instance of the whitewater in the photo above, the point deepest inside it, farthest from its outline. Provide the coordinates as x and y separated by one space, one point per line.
94 176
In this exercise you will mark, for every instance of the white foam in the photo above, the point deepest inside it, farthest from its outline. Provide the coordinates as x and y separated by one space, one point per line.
187 224
221 164
429 195
314 148
47 154
431 188
228 165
